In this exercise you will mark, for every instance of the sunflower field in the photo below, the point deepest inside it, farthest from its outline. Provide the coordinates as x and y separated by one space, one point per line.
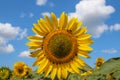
59 47
109 70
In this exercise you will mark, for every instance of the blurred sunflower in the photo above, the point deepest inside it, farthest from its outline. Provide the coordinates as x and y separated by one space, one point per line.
4 73
110 76
19 69
28 72
99 62
58 45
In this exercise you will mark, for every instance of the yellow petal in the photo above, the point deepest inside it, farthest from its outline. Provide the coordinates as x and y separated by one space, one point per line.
69 68
53 72
66 21
35 47
76 64
49 22
80 31
34 38
84 55
38 61
38 32
40 23
83 52
85 36
73 28
36 53
44 25
80 61
48 70
71 23
85 48
37 27
64 72
33 43
75 69
63 21
86 41
78 25
42 66
54 18
40 53
59 72
87 44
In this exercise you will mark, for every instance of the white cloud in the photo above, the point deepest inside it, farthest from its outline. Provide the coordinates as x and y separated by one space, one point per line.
22 15
110 51
98 31
8 33
51 4
23 34
31 15
24 54
6 48
46 13
93 13
115 27
41 2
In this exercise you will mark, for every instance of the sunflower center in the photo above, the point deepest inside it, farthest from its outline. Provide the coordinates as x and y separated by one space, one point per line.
20 70
60 46
99 63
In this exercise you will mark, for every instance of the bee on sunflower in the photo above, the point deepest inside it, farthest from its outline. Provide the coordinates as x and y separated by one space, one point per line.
5 73
21 70
58 45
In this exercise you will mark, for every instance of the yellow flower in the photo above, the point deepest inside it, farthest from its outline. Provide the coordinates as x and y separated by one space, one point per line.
99 62
19 69
4 74
58 45
87 73
110 76
12 75
29 70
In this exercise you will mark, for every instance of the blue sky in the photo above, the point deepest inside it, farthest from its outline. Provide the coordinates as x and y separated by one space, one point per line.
102 17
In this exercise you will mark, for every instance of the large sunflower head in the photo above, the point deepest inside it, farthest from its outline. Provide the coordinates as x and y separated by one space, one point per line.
99 62
58 45
5 73
19 69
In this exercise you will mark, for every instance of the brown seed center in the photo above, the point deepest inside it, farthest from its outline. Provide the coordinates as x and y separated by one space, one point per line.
60 45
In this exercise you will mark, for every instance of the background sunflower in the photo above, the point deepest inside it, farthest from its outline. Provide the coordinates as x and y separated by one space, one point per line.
99 62
5 73
20 69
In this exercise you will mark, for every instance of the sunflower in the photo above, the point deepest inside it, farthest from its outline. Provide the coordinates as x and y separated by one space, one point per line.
4 73
110 76
58 45
99 62
19 69
28 72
